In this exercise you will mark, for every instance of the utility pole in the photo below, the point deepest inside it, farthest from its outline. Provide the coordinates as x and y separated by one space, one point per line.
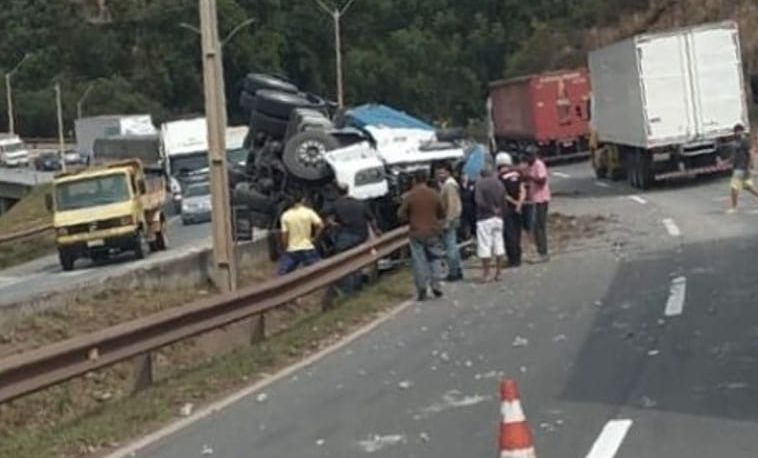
9 95
61 144
336 14
215 112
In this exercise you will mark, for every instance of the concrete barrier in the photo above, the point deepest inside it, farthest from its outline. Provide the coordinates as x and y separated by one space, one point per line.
193 270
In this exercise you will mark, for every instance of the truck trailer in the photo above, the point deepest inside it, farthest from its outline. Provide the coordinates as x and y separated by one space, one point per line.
665 105
550 111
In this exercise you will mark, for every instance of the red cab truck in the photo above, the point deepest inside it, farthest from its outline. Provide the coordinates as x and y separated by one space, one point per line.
549 110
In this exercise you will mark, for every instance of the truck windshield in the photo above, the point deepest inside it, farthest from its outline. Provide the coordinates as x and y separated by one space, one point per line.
197 190
12 148
92 192
188 163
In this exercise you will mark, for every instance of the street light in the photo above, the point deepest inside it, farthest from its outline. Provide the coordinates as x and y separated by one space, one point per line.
80 102
336 15
228 36
9 94
59 109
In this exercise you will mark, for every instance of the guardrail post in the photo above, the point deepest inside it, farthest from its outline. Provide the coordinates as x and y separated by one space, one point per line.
258 329
143 371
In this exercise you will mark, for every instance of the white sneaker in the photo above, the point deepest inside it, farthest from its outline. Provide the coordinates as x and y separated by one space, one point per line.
731 211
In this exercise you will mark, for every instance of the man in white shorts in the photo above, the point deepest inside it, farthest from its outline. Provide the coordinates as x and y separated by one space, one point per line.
490 202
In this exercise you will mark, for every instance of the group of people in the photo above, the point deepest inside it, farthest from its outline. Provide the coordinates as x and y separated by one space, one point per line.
508 200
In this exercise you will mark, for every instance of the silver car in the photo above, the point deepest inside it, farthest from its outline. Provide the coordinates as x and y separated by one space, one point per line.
196 203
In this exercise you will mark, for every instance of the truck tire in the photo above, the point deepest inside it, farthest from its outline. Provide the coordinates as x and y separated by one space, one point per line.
269 125
141 246
280 104
161 238
630 164
304 155
67 259
255 82
247 101
645 177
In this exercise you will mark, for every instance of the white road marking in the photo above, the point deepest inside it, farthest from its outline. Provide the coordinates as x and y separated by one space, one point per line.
638 199
601 184
675 303
610 439
672 228
561 175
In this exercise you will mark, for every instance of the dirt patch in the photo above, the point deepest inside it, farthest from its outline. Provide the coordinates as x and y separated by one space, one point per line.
98 412
29 213
566 231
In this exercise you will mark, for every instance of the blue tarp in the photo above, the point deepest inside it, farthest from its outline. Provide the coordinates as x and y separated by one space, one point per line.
382 115
475 161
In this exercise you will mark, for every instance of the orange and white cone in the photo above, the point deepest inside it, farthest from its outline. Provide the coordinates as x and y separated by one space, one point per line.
516 439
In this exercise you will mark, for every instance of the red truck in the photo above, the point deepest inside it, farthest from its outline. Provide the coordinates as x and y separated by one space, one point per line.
549 110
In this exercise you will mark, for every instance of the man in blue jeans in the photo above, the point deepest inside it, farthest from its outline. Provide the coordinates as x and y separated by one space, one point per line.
300 227
422 208
451 201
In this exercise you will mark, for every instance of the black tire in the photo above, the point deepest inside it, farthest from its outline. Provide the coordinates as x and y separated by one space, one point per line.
269 125
600 172
67 260
161 238
255 82
303 155
141 246
250 198
646 177
630 161
247 101
280 104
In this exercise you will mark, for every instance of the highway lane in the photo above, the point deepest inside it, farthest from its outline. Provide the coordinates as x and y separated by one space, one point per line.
44 275
640 343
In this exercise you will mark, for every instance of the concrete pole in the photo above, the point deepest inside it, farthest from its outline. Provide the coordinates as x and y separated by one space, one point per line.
338 57
61 143
215 112
9 102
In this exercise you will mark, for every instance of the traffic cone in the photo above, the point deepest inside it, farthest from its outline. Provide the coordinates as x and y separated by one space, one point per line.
516 439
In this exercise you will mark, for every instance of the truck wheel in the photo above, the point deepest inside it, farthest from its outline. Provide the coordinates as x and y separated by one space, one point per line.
630 163
304 155
645 170
161 238
141 247
67 260
269 125
280 104
254 82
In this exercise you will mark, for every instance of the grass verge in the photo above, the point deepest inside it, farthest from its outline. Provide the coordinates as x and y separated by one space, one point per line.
30 212
116 419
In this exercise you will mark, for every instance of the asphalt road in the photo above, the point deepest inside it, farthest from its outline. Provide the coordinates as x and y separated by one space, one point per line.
44 275
649 331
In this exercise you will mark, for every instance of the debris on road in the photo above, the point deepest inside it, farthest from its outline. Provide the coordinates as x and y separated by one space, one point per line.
207 450
405 384
186 409
376 443
520 342
261 398
453 399
320 442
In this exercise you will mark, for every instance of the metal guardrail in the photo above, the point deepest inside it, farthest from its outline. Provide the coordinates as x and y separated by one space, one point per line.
26 233
24 176
34 370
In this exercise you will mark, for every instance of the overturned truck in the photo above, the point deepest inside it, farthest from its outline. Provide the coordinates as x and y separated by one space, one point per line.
299 142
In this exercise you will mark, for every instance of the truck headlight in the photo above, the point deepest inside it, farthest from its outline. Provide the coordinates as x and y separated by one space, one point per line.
62 231
369 176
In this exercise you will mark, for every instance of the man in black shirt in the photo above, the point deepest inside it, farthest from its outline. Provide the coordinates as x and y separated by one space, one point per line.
515 190
743 166
351 219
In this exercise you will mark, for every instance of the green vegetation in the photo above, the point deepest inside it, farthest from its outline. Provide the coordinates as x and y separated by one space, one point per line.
121 418
29 213
430 57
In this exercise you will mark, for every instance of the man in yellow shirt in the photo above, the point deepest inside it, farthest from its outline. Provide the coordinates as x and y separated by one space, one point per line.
300 226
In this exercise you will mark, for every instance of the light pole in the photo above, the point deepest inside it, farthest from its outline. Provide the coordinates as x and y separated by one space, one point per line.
215 113
9 94
59 109
228 36
336 15
80 102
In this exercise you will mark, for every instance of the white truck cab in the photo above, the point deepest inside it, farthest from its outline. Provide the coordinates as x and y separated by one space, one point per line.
13 152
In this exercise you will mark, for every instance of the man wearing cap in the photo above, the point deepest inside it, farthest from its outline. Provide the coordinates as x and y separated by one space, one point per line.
515 195
743 166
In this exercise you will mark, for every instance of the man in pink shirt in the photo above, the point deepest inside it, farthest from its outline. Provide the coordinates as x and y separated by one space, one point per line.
539 198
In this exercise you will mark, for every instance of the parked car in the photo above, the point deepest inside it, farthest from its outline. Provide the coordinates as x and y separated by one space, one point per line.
196 203
47 161
13 152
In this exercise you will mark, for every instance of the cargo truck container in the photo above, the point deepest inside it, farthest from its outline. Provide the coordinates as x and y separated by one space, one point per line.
550 111
88 130
665 104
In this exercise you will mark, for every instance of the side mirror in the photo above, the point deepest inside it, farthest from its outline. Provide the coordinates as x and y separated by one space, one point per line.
49 202
142 187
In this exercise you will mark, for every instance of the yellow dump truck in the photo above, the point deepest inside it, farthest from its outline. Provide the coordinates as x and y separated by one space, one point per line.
108 209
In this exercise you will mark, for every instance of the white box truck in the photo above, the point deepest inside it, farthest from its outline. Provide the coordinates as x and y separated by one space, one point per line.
665 104
89 129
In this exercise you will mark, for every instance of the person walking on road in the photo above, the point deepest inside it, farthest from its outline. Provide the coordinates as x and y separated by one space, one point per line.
351 219
539 196
451 202
743 166
422 208
515 195
490 200
300 227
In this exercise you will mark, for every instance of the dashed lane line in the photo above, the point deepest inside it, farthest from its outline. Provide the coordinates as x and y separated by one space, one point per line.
672 228
561 175
640 200
675 303
610 439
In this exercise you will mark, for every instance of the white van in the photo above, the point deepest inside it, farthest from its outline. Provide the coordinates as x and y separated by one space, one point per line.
13 152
